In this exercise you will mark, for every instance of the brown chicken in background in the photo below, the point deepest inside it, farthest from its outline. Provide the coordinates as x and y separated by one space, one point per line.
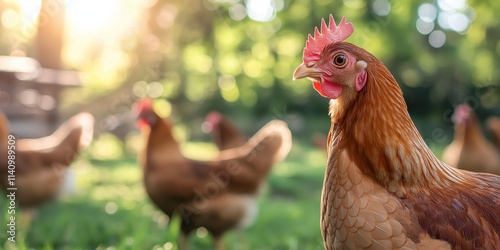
219 194
41 164
224 133
470 150
383 187
493 125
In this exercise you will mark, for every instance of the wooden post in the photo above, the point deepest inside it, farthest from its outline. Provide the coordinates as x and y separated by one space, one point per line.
49 40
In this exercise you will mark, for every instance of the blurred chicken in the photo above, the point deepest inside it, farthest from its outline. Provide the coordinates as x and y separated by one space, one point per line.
384 188
225 134
41 164
470 150
493 124
219 194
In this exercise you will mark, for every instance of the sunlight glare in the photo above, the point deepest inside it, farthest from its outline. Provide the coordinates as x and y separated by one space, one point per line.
30 9
261 10
10 18
92 16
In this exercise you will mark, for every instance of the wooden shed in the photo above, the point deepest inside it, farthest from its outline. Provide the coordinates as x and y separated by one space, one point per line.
30 94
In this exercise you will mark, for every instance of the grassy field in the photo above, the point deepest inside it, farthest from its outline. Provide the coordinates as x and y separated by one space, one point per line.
110 210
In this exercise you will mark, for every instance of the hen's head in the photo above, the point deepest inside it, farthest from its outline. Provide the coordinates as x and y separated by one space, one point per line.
143 110
463 113
212 121
334 67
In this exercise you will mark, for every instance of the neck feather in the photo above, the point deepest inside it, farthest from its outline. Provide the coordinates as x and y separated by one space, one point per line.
381 139
160 144
469 132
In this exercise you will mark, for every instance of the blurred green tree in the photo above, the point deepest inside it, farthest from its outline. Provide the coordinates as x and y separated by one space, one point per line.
238 56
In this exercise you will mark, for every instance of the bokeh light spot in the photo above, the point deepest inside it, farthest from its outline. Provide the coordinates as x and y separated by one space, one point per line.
29 97
227 82
237 12
427 12
261 10
437 39
168 246
231 95
166 16
452 5
382 7
443 19
424 27
162 107
154 89
10 18
201 232
47 102
111 208
458 22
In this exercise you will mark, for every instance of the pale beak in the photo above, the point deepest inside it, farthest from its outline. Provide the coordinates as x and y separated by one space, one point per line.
303 71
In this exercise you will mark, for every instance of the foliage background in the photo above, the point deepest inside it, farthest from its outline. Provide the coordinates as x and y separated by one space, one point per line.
201 55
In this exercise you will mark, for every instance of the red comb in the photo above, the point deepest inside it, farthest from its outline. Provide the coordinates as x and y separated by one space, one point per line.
139 107
143 104
213 118
462 113
329 34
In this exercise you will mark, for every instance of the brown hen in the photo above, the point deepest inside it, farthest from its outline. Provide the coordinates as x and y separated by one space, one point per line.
219 194
224 133
383 187
493 125
470 150
41 165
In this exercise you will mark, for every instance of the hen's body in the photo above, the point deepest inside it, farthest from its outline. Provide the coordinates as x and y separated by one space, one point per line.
470 150
219 194
41 164
385 194
383 187
225 134
493 124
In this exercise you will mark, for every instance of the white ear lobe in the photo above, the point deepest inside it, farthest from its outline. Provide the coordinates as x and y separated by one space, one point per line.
360 65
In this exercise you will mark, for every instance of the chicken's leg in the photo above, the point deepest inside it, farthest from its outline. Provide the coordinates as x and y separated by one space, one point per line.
183 242
219 243
27 216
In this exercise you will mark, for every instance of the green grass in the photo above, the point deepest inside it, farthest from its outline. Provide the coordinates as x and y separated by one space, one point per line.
110 210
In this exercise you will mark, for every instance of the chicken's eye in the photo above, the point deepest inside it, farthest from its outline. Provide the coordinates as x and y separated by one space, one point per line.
340 60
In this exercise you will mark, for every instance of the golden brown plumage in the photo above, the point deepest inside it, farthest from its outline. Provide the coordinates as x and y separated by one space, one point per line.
225 134
219 194
41 164
470 150
493 125
384 188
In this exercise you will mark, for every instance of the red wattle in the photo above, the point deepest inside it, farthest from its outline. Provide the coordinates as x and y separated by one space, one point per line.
317 87
141 123
327 89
